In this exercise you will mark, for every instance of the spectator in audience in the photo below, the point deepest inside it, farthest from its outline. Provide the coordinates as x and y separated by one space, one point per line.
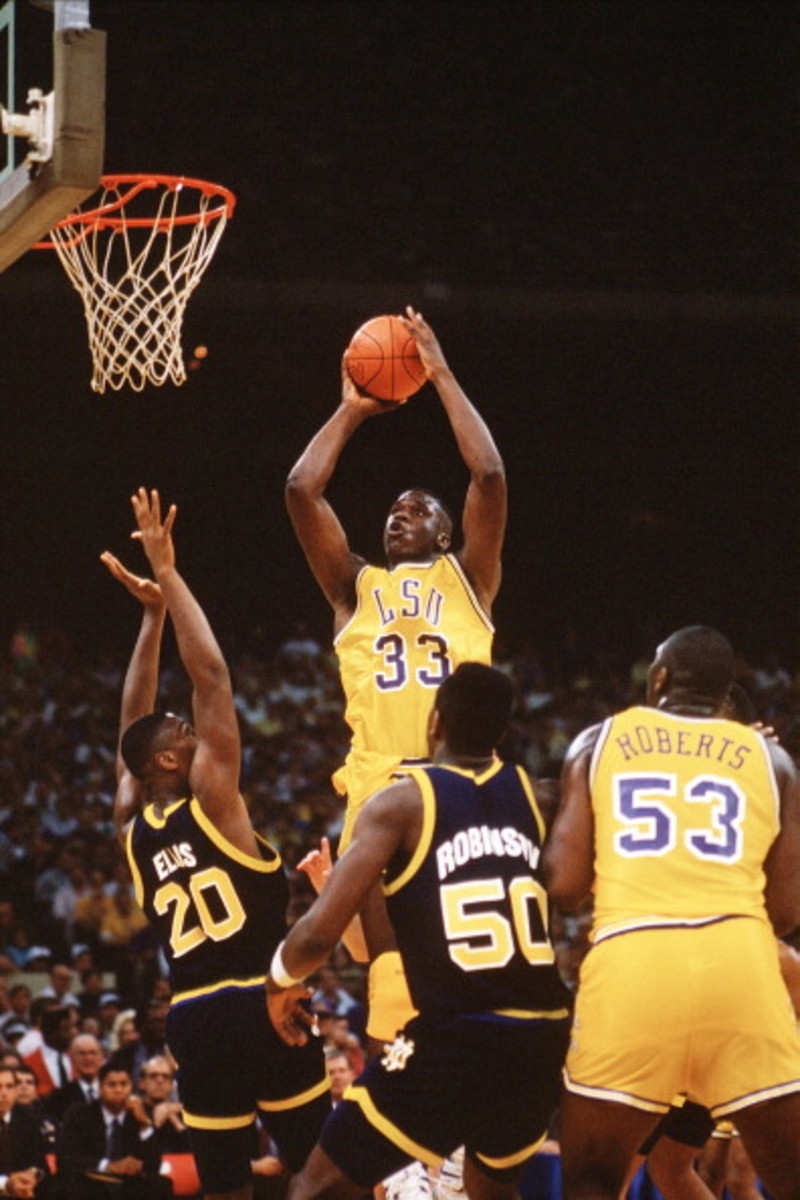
23 1164
86 1056
28 1096
124 1029
329 994
51 1062
157 1088
92 906
340 1072
19 1007
32 1040
66 899
39 958
90 994
60 986
151 1024
13 1032
107 1137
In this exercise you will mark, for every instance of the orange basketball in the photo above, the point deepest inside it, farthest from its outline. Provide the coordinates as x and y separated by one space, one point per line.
383 361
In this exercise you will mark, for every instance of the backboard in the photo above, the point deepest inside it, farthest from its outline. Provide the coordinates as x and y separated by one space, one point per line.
53 99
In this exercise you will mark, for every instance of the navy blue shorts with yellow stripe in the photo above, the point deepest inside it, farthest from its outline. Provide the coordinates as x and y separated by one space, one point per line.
231 1066
484 1081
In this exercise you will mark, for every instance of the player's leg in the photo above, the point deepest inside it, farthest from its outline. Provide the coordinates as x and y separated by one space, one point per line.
741 1179
480 1186
771 1135
671 1166
598 1140
321 1177
713 1162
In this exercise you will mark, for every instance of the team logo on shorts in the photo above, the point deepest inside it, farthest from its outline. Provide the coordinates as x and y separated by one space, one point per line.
397 1053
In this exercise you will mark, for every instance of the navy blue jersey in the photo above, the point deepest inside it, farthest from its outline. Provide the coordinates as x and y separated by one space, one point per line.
219 912
470 910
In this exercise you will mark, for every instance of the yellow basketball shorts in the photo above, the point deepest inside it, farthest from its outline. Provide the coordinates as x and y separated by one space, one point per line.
390 1006
701 1011
363 773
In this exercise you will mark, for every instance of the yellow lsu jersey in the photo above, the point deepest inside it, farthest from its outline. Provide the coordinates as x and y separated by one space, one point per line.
412 626
685 811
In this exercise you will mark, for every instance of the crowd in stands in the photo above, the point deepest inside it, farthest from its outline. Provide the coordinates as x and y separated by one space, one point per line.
79 968
65 891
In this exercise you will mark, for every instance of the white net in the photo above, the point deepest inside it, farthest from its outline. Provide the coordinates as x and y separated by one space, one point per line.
135 258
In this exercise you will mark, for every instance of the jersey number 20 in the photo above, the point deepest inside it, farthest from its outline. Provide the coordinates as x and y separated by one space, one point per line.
192 918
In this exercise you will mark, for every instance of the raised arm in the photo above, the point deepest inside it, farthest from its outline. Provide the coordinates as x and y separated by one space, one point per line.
141 680
568 858
484 518
390 821
318 529
214 774
782 867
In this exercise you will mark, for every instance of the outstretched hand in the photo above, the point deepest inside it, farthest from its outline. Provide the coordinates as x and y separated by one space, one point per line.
154 534
318 865
291 1020
430 351
146 591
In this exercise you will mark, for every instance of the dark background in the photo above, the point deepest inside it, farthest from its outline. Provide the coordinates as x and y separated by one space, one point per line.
594 206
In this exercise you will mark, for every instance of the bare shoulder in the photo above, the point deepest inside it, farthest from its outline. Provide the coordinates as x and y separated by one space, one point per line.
396 800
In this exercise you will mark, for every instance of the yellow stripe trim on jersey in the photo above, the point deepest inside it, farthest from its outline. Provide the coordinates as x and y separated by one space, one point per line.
527 788
468 588
479 777
770 1093
158 822
513 1160
656 921
597 749
302 1098
138 886
426 833
211 988
246 860
526 1014
218 1122
361 1097
599 1093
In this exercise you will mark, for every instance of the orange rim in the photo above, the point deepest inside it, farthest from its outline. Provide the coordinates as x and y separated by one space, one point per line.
104 217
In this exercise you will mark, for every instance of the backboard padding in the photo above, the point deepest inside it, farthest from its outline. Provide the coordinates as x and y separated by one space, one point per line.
32 200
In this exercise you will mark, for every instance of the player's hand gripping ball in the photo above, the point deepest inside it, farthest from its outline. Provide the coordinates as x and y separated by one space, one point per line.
383 361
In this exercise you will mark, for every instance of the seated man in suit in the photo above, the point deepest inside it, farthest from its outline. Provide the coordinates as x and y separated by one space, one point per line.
86 1056
108 1148
23 1167
157 1088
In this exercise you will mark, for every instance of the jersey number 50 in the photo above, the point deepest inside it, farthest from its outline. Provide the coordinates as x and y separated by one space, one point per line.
486 939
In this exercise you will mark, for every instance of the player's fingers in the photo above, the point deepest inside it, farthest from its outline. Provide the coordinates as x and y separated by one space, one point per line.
170 518
155 505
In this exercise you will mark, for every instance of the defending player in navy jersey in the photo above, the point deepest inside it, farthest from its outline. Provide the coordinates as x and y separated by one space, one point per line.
215 891
455 849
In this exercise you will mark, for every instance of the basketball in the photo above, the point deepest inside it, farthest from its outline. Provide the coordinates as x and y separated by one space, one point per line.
383 361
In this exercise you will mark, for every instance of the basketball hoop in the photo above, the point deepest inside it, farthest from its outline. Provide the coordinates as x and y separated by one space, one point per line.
136 257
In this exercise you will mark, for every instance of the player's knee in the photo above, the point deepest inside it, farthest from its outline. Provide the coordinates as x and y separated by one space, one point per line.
321 1179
